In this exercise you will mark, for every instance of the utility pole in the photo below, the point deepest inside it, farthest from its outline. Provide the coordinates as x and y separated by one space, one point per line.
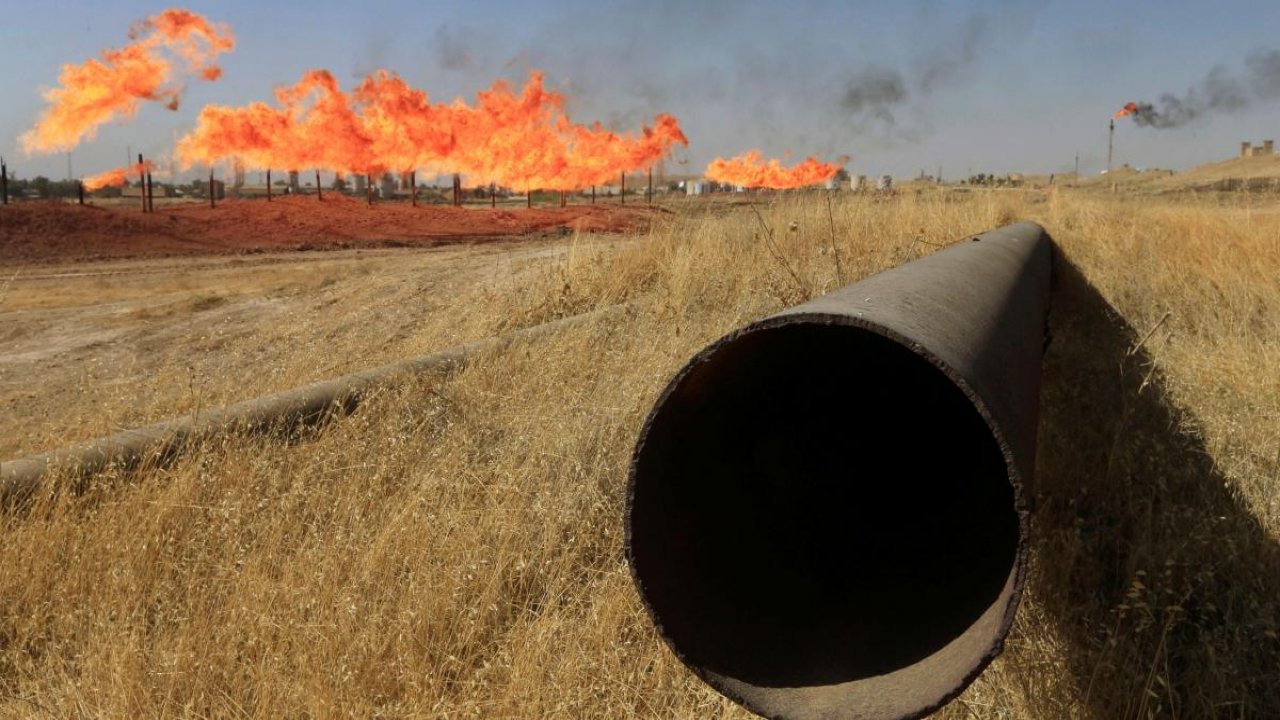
1111 142
142 181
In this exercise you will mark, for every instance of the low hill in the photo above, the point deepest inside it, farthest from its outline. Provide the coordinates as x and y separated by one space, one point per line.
1254 174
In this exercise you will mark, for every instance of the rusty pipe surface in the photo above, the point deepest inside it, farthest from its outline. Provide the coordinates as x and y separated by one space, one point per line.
827 509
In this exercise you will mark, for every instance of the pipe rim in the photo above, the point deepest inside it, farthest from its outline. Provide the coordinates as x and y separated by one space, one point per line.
1018 571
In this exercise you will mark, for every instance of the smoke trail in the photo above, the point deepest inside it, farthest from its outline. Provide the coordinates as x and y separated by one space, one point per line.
451 47
946 63
873 93
1219 92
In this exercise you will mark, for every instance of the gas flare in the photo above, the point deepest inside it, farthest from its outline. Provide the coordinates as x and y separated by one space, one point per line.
512 139
405 130
523 139
93 93
1128 109
117 176
597 155
751 170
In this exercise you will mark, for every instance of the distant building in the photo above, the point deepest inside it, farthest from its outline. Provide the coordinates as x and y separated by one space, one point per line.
387 186
250 190
157 190
1248 149
697 187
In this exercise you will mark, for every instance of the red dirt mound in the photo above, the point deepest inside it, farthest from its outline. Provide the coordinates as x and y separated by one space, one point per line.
50 231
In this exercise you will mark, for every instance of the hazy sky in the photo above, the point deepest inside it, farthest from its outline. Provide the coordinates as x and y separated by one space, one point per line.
900 85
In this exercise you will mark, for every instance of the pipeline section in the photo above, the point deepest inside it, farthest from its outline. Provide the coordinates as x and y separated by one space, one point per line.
284 412
827 510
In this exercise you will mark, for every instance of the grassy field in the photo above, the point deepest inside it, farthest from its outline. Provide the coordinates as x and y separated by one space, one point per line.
454 549
88 349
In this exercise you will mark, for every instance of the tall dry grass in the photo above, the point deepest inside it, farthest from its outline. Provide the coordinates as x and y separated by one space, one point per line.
454 549
134 343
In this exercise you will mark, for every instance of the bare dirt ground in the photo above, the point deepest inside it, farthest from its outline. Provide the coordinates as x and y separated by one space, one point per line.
146 340
41 232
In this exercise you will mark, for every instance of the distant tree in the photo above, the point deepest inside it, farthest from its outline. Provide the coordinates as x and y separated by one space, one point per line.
842 175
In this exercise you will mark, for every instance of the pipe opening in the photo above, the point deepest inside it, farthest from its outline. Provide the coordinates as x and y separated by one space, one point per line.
815 504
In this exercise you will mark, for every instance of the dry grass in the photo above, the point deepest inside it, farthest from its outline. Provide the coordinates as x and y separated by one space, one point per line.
454 549
91 349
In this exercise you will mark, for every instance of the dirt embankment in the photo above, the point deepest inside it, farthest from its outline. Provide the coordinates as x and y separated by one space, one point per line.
53 231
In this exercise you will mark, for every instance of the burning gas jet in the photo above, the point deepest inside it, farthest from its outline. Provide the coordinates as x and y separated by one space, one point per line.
1128 109
1220 91
93 93
521 139
751 170
118 176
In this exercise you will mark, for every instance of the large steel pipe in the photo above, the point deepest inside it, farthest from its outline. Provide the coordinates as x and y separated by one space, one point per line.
826 512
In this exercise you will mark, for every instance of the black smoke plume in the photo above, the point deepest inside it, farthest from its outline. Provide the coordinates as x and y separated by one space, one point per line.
871 96
873 93
1219 92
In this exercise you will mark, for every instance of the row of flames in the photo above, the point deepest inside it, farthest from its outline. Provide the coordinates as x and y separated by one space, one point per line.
516 138
521 139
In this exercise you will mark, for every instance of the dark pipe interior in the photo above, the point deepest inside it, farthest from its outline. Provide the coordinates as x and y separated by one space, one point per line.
817 504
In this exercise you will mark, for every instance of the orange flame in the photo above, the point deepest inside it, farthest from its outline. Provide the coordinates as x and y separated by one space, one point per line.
98 90
597 155
512 139
521 139
117 176
405 130
1128 109
751 170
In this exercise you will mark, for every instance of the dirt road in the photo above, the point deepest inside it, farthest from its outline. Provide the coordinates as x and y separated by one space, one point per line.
90 348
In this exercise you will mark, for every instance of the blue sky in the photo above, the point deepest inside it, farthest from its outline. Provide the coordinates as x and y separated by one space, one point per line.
966 87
